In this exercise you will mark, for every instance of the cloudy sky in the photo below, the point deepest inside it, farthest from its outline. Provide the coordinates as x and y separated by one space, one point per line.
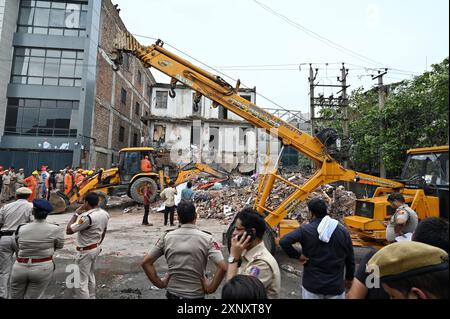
269 44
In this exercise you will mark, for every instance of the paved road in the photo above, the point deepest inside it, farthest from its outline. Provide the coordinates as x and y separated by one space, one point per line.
119 275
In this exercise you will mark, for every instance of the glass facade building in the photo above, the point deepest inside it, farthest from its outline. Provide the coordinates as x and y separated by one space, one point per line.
50 81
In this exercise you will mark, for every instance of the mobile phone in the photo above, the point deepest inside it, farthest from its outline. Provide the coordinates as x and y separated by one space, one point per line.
249 233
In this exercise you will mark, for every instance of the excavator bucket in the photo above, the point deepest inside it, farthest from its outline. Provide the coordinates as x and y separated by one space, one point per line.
59 202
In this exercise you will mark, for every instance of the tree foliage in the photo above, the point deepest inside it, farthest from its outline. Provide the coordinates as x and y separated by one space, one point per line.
415 115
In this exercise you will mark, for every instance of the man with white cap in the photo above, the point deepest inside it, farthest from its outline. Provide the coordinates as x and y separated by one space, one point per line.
11 217
20 176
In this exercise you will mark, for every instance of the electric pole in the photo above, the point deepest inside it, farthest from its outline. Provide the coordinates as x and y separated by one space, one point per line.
381 102
345 105
312 78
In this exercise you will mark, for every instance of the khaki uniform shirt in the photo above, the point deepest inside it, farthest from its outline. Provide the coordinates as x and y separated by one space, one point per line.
90 227
169 196
20 177
260 263
187 250
6 179
15 214
39 240
59 178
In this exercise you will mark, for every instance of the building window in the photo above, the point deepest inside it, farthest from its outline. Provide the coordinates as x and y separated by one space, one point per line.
159 134
247 97
53 18
223 113
162 98
122 134
34 117
139 77
149 92
47 67
135 140
196 108
126 61
137 109
123 97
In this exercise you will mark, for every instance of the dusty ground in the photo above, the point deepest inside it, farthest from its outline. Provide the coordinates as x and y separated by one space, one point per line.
119 275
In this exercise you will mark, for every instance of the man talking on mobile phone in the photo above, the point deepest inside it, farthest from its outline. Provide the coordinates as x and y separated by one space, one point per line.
248 254
90 223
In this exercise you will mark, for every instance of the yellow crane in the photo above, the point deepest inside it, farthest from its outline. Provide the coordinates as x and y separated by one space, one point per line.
222 93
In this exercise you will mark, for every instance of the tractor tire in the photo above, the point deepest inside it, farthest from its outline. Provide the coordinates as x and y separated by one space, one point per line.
137 190
103 200
268 238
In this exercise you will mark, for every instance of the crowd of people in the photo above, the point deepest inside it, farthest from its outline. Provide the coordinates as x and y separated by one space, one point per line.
409 269
41 182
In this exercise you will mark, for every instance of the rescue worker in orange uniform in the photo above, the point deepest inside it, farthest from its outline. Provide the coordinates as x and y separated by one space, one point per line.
32 183
68 182
146 165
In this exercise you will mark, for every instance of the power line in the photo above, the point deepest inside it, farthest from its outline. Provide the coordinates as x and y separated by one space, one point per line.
219 72
320 37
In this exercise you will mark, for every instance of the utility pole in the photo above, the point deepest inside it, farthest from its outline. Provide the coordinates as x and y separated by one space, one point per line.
312 78
345 105
381 102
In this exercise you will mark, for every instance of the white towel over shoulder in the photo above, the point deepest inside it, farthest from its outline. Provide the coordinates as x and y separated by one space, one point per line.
326 228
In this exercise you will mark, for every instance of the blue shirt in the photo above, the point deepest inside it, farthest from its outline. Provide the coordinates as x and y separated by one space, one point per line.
187 194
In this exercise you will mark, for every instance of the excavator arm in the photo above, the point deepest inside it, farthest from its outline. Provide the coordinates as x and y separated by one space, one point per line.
224 94
191 171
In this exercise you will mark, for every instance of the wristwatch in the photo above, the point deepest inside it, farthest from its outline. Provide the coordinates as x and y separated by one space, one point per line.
232 260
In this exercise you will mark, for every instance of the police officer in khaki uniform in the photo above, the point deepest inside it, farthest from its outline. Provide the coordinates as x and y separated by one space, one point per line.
90 223
404 220
20 176
11 217
60 181
36 244
249 256
5 193
187 250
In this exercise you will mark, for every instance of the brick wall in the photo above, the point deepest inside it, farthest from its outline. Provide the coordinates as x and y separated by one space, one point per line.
108 102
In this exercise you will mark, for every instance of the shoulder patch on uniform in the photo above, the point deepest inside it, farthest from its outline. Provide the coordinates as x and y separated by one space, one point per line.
82 220
217 245
254 271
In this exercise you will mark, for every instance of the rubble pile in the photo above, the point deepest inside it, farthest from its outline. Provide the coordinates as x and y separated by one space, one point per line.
224 202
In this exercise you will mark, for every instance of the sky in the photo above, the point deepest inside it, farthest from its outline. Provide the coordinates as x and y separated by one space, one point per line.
269 44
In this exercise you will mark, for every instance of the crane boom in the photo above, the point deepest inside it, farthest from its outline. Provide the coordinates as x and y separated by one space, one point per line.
222 93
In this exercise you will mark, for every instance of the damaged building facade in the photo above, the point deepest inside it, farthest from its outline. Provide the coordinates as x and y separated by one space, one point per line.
222 137
60 102
215 135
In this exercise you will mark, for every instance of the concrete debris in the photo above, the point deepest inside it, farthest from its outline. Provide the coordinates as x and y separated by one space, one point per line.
291 270
240 191
119 202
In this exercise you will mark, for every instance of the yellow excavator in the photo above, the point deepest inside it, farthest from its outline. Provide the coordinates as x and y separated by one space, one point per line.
128 178
315 148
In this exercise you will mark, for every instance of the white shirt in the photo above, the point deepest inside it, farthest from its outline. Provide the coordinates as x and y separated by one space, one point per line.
169 196
15 214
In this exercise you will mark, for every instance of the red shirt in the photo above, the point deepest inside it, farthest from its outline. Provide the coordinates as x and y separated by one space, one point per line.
147 194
